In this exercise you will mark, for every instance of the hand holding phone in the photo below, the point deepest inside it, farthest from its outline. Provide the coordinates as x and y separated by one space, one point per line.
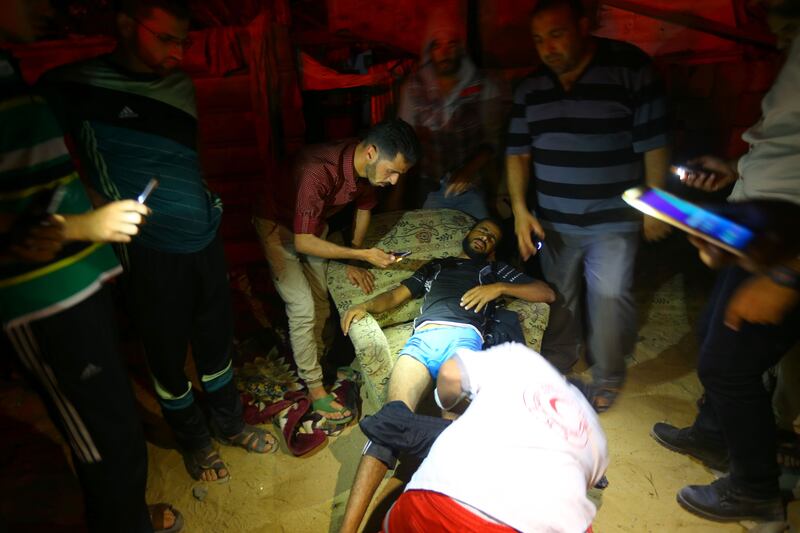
149 188
691 218
707 173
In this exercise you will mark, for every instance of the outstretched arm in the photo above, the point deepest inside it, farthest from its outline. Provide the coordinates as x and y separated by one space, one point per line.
535 291
309 244
383 302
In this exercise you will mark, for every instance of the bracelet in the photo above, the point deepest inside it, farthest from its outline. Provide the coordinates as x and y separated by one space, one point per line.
785 277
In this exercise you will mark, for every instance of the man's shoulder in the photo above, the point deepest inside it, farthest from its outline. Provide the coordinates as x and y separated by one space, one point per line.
325 153
77 71
413 87
539 79
621 54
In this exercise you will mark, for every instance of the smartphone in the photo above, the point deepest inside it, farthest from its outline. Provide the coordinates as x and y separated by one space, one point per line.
400 255
149 188
691 218
55 199
682 170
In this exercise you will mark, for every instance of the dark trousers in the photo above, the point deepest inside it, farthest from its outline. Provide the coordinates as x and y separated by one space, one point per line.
737 411
178 300
74 360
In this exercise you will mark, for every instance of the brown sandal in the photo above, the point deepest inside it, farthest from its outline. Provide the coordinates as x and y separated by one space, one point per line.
206 458
602 398
253 439
157 511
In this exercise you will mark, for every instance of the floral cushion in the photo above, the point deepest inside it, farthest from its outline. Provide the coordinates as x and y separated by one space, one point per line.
428 234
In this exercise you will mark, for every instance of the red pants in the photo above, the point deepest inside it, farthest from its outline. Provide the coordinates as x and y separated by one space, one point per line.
423 511
417 511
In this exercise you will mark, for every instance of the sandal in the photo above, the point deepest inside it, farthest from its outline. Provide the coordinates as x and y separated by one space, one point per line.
323 405
602 398
157 511
789 453
206 458
252 439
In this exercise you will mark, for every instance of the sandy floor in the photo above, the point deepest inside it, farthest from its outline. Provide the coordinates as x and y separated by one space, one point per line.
281 493
277 493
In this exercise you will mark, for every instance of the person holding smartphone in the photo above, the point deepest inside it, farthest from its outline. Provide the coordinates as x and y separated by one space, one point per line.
457 311
54 306
752 319
135 115
589 123
292 226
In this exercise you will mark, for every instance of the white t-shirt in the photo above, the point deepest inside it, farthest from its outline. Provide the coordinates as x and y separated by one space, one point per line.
527 448
771 169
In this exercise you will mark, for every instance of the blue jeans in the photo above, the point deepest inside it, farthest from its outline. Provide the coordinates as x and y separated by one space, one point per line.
471 202
605 262
737 411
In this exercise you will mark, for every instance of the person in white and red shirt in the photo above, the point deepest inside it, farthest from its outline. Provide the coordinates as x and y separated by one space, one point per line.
520 458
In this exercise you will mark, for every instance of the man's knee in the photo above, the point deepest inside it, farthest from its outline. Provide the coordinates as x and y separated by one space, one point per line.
300 313
409 381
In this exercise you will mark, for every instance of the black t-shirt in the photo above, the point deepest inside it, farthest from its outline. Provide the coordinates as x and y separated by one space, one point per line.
444 282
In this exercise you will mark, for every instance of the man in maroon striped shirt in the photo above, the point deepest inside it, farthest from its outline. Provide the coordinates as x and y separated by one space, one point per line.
326 178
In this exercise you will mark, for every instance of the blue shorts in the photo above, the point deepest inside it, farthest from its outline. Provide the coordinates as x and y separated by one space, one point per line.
432 347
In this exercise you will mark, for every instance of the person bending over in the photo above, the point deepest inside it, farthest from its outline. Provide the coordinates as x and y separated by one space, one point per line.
460 294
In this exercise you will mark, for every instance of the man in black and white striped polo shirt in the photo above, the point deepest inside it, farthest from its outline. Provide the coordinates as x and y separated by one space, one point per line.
591 122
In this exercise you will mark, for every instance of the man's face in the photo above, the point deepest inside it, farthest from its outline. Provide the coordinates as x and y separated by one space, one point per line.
24 21
383 172
159 39
483 238
446 56
559 38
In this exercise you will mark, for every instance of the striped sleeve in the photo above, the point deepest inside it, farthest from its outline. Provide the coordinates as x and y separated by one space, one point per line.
650 115
509 274
519 138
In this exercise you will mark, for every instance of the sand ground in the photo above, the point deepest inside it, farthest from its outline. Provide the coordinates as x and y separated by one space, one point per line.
280 493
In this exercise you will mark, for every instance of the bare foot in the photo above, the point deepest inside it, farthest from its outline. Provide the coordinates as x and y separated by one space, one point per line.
161 516
206 465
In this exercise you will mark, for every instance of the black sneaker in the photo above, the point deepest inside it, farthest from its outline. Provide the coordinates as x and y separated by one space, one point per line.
722 502
684 441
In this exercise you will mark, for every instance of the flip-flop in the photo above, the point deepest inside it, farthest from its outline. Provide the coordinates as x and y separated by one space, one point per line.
206 458
161 507
347 394
323 405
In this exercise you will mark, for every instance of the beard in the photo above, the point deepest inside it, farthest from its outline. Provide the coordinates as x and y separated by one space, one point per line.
371 169
475 255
